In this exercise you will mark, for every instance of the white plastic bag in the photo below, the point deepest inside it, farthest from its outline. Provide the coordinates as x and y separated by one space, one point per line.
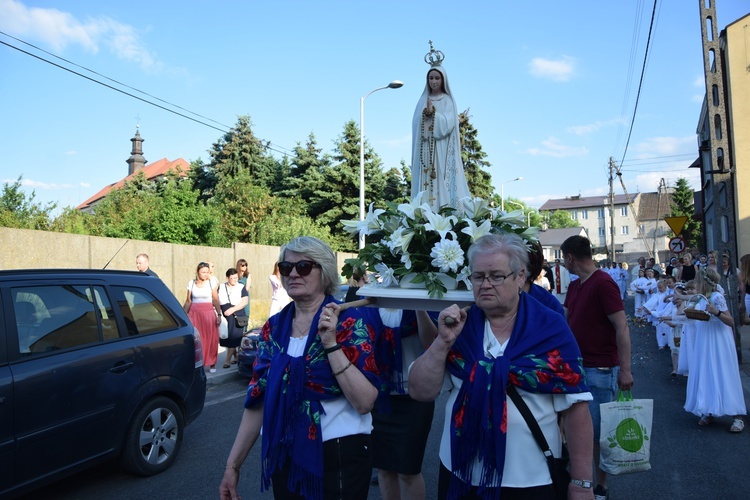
223 328
625 440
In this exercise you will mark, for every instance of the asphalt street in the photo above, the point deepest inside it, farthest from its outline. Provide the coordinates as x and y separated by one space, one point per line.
688 461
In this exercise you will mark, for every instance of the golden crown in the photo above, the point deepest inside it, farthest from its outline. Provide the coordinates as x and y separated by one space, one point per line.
434 57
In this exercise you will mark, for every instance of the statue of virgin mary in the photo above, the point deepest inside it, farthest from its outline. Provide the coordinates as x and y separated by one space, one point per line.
437 169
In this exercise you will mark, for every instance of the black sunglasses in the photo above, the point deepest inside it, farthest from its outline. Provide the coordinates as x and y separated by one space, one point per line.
304 267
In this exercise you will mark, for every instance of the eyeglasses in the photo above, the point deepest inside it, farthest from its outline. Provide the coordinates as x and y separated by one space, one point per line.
243 265
494 279
303 267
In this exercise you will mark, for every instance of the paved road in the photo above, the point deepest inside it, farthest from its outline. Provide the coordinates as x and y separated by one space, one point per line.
688 461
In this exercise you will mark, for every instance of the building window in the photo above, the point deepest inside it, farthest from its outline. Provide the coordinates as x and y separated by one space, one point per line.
574 215
624 211
642 229
600 212
584 214
624 230
601 231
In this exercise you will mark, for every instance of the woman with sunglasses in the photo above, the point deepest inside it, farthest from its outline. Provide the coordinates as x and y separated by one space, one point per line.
313 386
243 271
202 306
507 339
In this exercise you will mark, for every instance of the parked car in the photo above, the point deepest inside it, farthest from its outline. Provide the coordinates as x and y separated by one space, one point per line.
247 352
94 365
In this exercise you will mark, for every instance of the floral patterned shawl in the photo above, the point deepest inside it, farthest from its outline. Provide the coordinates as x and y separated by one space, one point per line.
292 389
541 357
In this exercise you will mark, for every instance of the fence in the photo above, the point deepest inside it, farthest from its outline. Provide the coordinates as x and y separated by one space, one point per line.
175 264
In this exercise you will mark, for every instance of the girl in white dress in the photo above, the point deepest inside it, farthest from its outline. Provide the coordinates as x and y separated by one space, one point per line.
640 286
714 387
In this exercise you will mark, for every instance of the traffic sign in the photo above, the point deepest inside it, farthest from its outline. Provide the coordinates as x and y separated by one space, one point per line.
677 244
676 223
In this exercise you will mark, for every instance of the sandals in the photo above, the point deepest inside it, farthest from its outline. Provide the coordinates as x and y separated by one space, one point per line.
707 420
737 425
225 366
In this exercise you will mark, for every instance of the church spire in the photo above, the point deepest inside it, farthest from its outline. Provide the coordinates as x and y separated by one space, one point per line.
136 160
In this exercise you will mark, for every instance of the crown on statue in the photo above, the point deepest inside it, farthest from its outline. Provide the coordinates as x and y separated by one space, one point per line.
434 57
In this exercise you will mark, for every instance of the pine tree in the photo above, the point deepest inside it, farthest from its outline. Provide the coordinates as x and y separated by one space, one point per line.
475 164
682 205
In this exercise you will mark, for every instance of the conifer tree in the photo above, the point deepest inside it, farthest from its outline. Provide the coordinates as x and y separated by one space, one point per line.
475 164
682 205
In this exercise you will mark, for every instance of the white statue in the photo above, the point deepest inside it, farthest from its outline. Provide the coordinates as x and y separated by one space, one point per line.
437 168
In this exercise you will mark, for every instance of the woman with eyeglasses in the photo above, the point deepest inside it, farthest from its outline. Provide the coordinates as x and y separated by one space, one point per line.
507 339
202 306
313 386
243 271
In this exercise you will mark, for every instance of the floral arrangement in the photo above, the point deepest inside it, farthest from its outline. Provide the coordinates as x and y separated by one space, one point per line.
412 239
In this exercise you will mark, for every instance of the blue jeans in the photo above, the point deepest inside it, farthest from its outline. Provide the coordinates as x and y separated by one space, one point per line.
603 385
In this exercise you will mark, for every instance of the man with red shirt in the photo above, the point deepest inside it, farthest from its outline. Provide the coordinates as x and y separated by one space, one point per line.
596 315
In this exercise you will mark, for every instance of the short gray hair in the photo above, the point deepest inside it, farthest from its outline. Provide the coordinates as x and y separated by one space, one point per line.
321 253
509 244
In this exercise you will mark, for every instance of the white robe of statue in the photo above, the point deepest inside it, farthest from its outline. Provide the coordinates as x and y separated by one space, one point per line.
437 168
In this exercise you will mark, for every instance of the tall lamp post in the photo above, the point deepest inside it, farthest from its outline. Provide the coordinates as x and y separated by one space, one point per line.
395 84
528 214
502 192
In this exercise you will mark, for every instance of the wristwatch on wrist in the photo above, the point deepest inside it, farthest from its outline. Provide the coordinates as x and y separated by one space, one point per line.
581 483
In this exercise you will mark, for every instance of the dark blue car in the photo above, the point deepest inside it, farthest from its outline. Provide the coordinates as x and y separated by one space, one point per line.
94 365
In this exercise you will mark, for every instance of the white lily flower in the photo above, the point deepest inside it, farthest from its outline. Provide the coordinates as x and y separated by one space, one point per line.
370 225
447 255
386 275
400 240
408 209
439 224
475 231
463 275
474 208
406 260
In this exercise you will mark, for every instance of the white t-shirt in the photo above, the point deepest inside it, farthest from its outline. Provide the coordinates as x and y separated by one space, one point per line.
200 294
340 418
525 464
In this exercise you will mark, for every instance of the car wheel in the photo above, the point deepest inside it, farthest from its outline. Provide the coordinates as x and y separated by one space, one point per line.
154 437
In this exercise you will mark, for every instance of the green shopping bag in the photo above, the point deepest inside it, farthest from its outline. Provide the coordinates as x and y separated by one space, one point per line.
625 440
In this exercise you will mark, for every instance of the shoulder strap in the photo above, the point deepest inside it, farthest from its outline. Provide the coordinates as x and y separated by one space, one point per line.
531 422
229 299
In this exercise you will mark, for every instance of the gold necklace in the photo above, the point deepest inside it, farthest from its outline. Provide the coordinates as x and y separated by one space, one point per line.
301 332
507 324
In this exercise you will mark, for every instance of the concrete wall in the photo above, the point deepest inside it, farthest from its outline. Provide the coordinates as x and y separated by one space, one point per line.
175 264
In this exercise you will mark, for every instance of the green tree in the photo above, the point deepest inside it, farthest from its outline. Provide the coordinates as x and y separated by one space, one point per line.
682 205
559 219
398 184
474 159
306 173
20 211
337 198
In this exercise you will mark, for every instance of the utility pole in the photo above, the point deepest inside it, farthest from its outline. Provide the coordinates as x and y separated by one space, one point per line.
661 191
612 209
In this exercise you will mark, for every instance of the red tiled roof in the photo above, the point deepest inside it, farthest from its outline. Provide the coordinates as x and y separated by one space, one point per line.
151 171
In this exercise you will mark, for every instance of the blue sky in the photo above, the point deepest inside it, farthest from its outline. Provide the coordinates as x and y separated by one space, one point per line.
550 85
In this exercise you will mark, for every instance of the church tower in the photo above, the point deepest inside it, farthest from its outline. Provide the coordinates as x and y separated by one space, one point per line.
136 160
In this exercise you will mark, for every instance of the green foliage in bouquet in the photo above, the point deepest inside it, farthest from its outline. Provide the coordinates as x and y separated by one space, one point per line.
412 238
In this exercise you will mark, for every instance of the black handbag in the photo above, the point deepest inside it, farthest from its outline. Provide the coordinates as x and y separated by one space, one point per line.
558 467
240 320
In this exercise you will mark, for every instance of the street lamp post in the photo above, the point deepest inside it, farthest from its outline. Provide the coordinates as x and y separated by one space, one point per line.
395 84
502 192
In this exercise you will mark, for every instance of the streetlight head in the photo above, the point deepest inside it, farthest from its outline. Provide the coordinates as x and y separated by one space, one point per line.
396 84
519 178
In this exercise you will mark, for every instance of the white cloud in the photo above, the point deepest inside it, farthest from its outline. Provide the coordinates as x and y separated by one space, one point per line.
59 29
590 128
85 184
665 146
44 185
560 70
554 147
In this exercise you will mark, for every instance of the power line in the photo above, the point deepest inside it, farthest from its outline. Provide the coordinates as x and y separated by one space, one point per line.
640 83
269 145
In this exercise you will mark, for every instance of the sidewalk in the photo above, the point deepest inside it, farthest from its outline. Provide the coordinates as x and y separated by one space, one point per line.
745 365
224 375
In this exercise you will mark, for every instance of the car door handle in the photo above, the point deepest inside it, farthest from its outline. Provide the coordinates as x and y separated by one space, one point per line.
121 367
